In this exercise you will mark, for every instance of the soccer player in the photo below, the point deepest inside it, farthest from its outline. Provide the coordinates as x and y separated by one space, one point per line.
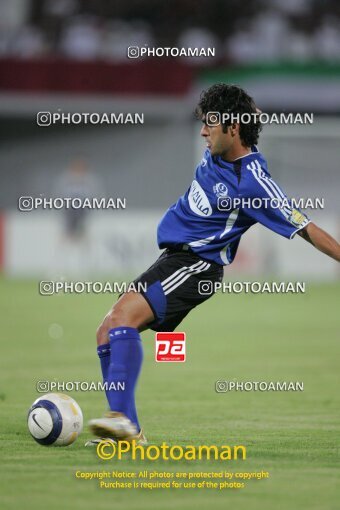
200 234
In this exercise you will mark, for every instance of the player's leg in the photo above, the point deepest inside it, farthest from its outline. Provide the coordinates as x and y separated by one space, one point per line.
131 310
172 291
120 353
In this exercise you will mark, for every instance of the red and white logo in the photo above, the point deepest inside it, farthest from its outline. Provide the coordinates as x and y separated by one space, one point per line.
170 346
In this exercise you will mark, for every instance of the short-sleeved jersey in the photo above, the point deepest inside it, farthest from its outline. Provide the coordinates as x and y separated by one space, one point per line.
223 202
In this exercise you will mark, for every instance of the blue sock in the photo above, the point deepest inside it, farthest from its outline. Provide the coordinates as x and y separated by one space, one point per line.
125 363
104 358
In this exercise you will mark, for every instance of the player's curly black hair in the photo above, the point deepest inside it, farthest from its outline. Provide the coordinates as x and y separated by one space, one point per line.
225 98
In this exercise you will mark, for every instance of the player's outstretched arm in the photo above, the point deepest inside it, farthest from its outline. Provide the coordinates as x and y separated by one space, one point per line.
321 240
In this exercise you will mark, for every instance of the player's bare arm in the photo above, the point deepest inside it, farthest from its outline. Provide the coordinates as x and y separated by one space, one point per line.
321 240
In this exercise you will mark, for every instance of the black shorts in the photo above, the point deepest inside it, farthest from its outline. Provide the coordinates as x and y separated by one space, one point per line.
175 285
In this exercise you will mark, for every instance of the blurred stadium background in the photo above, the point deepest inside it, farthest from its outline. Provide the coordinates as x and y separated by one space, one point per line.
71 56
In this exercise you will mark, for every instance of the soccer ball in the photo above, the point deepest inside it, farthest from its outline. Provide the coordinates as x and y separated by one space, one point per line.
55 419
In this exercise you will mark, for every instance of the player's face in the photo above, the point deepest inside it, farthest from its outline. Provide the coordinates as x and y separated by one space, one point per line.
218 141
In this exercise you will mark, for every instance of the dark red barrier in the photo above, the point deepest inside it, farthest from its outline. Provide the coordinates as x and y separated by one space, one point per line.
59 75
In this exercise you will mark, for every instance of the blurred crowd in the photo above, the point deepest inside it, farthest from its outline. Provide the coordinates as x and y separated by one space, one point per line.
241 32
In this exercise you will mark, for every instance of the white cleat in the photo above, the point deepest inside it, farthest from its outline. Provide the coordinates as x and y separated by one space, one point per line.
117 427
97 440
140 439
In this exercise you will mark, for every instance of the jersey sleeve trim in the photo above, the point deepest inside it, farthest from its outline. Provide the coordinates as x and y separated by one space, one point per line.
300 228
270 187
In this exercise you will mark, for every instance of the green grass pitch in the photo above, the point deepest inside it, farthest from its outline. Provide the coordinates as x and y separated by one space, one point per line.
293 435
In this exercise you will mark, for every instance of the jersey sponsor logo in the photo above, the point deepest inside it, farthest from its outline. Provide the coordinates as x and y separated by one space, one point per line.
170 347
198 200
220 190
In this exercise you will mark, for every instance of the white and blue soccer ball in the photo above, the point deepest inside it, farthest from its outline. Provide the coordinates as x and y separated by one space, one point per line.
55 419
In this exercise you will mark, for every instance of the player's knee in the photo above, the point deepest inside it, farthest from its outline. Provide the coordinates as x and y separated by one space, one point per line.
117 318
114 319
102 334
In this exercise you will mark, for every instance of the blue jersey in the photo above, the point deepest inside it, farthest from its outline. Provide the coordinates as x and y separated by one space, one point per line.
223 202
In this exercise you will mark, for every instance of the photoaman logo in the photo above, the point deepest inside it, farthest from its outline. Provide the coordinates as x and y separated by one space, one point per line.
107 449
